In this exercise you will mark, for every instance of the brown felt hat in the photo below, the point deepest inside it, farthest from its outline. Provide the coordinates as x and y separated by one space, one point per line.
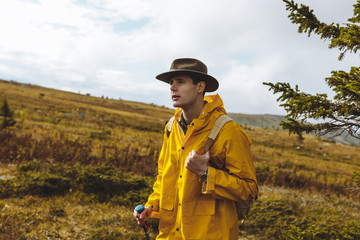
193 68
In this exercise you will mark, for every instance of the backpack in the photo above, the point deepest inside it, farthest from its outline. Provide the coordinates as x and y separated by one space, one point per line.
242 206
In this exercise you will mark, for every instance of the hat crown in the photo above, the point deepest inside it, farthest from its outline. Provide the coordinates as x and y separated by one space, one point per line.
193 68
188 64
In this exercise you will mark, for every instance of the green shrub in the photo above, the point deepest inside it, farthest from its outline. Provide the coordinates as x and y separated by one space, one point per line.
30 166
36 178
356 179
285 214
294 232
313 232
105 183
45 184
7 114
273 217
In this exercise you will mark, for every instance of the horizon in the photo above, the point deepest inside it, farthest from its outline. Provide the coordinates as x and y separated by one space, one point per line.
120 99
116 48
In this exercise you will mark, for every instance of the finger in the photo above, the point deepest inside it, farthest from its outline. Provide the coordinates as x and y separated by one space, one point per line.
189 167
187 163
193 153
192 167
145 214
190 154
207 154
190 159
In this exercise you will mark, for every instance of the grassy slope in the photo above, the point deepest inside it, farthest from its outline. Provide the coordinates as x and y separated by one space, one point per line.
263 121
304 189
269 121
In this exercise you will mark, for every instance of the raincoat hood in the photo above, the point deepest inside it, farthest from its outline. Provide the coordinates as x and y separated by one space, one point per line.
213 103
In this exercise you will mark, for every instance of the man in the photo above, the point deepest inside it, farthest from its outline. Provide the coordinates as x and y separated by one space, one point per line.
192 199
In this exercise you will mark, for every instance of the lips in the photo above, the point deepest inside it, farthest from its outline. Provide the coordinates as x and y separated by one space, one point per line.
175 97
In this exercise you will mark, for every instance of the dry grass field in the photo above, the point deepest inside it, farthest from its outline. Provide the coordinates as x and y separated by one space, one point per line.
74 166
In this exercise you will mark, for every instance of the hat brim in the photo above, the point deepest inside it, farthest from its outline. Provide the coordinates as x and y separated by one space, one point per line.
211 83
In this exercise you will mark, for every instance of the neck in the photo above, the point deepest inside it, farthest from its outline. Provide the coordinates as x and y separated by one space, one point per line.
193 112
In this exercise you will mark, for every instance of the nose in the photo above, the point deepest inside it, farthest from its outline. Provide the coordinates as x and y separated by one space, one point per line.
173 87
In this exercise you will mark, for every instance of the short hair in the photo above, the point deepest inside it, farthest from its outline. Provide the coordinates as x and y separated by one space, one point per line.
196 81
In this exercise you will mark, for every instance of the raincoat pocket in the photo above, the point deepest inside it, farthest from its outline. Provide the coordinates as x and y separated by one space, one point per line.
167 202
167 217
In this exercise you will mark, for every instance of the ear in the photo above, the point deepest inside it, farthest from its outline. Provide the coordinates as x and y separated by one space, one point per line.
201 86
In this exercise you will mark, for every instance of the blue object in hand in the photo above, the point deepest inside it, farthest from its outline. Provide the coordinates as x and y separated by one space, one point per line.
139 208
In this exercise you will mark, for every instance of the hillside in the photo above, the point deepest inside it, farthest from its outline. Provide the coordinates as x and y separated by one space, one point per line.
74 166
268 121
36 100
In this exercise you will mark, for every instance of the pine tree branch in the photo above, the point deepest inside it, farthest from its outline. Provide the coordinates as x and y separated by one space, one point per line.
340 114
301 106
345 38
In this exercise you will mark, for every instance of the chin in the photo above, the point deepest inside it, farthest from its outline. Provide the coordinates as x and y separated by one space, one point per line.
176 104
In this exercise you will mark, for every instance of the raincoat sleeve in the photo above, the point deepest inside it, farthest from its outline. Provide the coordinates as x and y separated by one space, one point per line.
154 198
238 179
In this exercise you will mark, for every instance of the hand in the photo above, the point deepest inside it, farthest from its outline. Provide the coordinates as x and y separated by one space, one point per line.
141 217
197 163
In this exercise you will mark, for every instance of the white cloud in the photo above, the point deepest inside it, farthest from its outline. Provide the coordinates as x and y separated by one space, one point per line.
115 48
243 89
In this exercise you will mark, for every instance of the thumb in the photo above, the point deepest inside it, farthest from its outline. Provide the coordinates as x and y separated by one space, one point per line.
207 154
194 153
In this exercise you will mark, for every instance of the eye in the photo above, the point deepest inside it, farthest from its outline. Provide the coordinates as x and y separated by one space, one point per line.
181 81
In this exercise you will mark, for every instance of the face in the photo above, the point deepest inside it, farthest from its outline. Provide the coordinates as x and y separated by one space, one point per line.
184 93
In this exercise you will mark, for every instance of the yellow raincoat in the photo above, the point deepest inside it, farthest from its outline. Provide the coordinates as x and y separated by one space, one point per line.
189 208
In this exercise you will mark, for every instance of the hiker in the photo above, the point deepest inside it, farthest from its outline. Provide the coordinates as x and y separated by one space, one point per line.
193 198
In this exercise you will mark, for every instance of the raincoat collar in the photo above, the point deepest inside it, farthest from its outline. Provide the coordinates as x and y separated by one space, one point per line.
214 102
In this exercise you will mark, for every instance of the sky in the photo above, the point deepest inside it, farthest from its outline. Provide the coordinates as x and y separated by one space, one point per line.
115 48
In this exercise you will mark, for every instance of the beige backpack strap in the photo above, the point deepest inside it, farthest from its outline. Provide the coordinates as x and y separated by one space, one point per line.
218 125
169 125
